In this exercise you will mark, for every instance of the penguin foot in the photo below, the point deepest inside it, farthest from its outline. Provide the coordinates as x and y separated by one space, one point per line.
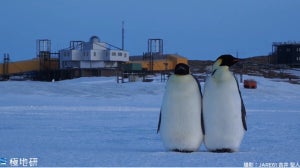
182 151
223 150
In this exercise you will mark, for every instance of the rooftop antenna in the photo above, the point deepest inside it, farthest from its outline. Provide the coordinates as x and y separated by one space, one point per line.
123 35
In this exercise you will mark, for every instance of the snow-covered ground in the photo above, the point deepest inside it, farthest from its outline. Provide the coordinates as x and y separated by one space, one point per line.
97 122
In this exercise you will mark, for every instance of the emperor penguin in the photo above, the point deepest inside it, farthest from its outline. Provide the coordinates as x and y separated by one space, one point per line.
180 115
224 113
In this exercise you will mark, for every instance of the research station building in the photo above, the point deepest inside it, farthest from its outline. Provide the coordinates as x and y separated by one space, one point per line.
92 54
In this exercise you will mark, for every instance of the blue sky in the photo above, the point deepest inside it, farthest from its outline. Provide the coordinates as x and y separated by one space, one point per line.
196 29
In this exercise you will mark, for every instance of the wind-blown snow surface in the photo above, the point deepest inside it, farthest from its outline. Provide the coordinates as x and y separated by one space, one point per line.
97 122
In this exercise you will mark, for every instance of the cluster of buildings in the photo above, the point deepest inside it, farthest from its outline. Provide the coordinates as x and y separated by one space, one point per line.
97 58
88 58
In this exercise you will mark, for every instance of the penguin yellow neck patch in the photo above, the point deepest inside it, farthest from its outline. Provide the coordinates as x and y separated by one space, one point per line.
217 64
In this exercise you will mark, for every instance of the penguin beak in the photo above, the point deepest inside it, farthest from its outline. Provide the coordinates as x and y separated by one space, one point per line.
233 61
240 60
236 60
227 60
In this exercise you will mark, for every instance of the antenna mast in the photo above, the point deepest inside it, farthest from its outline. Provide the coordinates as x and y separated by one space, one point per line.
123 35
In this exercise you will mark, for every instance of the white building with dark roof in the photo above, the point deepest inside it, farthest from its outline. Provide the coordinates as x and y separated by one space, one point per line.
92 54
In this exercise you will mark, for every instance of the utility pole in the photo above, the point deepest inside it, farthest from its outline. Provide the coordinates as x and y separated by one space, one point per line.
123 31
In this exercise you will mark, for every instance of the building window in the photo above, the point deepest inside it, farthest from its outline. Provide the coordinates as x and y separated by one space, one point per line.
95 54
288 49
113 53
125 55
119 54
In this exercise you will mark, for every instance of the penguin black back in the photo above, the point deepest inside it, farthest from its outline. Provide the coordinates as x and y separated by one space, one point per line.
182 69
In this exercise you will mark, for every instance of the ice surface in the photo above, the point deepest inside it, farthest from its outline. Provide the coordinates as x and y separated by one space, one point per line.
97 122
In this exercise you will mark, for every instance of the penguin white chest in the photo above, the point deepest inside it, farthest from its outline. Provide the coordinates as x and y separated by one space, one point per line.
181 114
222 113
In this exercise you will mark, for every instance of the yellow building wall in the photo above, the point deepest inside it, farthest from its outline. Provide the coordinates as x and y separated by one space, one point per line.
21 66
27 66
159 65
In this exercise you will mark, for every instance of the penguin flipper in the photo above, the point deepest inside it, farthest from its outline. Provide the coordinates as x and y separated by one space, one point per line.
202 120
159 120
244 115
199 86
243 109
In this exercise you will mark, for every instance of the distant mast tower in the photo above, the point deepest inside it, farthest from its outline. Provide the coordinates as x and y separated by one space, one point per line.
123 31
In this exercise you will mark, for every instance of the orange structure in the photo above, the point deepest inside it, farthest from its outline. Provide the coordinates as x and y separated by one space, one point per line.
250 84
27 66
167 62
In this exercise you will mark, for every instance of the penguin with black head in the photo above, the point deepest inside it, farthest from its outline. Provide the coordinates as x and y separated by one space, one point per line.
224 113
180 116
